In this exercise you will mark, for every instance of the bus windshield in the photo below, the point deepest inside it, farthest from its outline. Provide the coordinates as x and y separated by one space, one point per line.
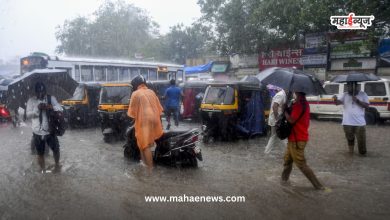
115 95
31 63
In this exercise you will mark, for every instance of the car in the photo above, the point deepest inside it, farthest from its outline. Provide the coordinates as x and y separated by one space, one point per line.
378 94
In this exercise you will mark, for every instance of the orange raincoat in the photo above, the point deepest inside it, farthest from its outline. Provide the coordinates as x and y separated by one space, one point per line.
146 110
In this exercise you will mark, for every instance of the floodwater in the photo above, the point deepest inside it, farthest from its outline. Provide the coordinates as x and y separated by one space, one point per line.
96 182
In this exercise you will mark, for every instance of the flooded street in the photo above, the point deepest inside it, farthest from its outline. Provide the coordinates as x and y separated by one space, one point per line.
96 182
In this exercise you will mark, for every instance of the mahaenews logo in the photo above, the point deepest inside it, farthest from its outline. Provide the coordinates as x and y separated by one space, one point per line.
352 22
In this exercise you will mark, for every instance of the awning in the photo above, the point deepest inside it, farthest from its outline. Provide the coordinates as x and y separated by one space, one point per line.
198 69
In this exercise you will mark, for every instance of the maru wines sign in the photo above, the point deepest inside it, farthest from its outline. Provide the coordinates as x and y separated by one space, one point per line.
280 57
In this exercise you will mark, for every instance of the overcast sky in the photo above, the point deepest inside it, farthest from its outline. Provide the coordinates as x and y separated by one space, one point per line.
29 25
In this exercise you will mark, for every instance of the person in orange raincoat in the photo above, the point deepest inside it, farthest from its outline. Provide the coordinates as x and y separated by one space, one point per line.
145 109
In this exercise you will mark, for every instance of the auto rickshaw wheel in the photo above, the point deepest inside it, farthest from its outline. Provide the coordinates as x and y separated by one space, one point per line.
108 138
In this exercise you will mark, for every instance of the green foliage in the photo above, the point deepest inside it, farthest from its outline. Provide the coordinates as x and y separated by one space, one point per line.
226 27
247 26
118 30
185 42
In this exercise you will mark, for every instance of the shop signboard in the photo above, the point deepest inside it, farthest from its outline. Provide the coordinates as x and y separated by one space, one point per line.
314 59
353 64
281 58
350 49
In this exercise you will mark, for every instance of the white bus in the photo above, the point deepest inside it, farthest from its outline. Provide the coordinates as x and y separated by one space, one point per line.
103 70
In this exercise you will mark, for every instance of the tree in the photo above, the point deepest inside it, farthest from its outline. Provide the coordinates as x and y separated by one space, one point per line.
185 42
74 37
118 30
246 26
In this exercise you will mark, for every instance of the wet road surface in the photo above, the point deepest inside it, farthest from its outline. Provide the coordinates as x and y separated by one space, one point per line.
96 182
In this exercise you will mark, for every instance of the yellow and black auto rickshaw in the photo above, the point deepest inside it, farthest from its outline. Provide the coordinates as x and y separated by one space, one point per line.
113 106
232 110
81 109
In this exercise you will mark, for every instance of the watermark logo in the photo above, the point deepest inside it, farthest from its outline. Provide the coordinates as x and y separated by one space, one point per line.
352 22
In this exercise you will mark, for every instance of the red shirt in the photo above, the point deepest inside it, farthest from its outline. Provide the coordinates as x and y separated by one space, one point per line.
300 130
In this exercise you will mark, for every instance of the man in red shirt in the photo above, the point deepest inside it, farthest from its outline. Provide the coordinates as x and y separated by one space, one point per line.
295 153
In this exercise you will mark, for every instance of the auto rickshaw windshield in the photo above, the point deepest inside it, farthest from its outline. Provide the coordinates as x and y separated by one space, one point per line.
219 95
115 95
78 94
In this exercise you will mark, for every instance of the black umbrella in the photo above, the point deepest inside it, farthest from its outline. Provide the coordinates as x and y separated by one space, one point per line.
291 80
252 79
58 83
355 77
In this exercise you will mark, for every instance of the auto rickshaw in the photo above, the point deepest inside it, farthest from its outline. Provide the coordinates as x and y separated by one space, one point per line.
113 106
82 108
232 110
193 92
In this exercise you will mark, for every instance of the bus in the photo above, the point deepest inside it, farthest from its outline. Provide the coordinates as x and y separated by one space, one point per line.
103 70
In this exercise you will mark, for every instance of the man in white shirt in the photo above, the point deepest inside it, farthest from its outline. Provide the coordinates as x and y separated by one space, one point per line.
37 106
354 102
277 107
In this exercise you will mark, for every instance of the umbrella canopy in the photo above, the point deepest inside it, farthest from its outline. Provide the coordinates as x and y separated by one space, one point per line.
58 83
292 80
252 79
355 77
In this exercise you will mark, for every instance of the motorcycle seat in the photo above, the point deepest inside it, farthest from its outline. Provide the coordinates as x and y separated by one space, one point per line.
170 134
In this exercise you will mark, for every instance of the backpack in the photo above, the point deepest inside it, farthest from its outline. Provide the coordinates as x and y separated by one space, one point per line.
284 128
57 124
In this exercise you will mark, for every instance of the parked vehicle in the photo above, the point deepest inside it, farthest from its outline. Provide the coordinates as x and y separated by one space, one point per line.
378 93
232 110
113 105
5 115
193 92
82 108
174 148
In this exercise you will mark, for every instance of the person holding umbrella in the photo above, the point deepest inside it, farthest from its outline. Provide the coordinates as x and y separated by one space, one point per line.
298 116
37 107
354 103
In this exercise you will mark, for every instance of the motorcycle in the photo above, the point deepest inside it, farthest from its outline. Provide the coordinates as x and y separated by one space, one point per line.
173 148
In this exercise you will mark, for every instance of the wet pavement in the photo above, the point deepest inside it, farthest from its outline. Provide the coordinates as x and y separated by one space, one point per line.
96 182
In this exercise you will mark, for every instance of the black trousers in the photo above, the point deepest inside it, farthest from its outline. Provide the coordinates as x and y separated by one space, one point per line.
51 140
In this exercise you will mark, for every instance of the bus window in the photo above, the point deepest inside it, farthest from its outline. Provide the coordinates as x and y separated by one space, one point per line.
144 73
172 75
134 72
152 74
124 74
99 74
179 75
112 74
162 76
77 73
86 73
